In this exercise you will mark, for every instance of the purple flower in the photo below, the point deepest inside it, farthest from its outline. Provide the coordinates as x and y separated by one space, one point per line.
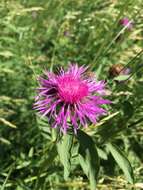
126 71
66 33
125 22
70 98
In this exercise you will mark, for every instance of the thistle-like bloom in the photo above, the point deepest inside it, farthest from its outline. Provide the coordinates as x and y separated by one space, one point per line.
70 98
126 23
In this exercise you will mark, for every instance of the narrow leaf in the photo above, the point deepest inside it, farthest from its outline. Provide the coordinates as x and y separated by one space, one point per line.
102 154
7 177
122 161
64 148
7 123
121 77
88 157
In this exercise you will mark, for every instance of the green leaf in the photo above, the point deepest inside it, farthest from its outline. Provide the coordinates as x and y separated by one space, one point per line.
5 141
88 157
128 109
51 155
31 152
64 148
7 123
106 119
6 54
102 154
121 77
98 71
122 161
7 177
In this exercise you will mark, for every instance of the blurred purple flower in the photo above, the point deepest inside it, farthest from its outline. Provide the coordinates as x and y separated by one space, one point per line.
126 23
70 98
126 71
66 33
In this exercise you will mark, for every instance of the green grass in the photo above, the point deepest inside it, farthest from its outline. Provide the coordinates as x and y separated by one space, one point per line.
31 40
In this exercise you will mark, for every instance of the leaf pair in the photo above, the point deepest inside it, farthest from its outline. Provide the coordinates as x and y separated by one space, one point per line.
87 154
88 157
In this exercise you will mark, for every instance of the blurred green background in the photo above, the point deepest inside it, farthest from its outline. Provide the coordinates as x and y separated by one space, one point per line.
38 35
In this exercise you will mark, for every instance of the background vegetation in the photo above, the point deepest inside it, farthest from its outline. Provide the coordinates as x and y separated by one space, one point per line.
37 35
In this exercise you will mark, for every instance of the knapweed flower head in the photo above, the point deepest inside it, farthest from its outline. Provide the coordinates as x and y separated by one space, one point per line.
125 22
70 98
66 33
